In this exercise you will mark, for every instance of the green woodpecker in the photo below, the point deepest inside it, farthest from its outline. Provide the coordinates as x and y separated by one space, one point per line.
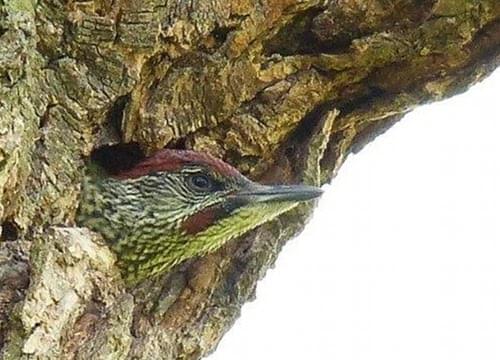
176 205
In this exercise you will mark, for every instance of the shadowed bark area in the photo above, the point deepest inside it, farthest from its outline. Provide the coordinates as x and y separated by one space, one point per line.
282 89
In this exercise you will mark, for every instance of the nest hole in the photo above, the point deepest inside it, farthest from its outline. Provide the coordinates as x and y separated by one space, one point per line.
116 158
10 231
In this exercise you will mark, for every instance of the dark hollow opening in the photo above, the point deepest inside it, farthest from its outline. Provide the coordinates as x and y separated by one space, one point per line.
10 231
116 158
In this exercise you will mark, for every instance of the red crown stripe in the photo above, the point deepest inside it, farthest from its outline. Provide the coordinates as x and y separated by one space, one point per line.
172 160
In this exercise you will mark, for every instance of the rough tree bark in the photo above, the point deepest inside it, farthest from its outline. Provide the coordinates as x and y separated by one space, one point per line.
282 89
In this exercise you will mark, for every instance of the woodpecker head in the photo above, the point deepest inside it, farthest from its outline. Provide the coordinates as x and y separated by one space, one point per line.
178 204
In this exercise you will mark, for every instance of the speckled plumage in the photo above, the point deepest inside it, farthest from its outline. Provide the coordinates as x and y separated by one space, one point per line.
154 215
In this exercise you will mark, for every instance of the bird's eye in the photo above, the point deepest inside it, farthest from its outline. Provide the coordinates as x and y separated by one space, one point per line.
200 182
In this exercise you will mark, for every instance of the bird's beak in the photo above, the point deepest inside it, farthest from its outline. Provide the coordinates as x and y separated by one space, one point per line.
254 192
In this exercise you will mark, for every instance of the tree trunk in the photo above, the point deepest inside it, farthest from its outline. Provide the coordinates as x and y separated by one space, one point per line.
282 89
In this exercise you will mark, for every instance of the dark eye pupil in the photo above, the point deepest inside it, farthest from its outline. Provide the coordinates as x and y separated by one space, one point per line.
201 182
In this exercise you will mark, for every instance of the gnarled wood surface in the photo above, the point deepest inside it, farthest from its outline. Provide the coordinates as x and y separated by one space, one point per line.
282 89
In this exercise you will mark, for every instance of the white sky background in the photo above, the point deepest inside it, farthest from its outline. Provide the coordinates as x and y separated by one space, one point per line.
402 257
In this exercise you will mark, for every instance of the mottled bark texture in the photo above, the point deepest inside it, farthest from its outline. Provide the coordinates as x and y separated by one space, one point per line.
282 89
